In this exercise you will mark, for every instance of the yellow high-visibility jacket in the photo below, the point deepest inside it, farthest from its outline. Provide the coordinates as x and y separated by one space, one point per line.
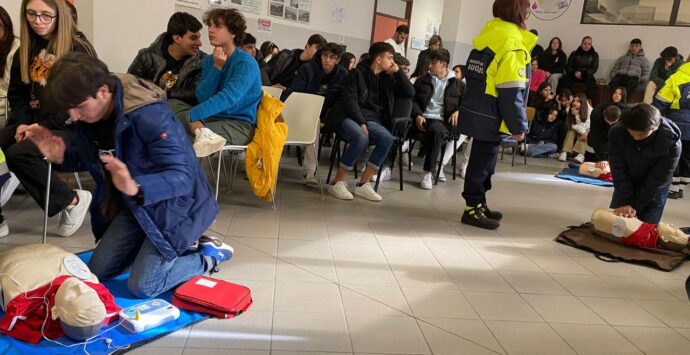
673 100
263 153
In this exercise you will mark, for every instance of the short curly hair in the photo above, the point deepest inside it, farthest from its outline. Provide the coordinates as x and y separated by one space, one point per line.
231 19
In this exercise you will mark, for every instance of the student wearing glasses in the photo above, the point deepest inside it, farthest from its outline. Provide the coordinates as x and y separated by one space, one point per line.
47 32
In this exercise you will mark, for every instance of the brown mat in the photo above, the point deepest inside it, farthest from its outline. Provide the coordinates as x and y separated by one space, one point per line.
583 237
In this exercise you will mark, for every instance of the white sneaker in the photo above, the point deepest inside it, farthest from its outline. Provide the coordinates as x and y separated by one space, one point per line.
385 174
442 175
310 179
207 142
580 158
427 182
340 191
406 160
72 217
461 170
4 230
368 193
554 155
563 156
8 189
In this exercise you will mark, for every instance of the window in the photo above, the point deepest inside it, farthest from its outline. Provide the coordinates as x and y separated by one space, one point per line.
637 12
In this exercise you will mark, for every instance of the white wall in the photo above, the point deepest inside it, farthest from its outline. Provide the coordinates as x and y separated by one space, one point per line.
611 41
392 7
421 11
473 15
12 7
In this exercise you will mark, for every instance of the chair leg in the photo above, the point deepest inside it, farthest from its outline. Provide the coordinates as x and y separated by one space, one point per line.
334 150
512 160
400 165
409 155
525 155
210 166
45 207
378 179
299 155
76 177
440 163
455 157
318 177
234 170
501 147
217 175
225 171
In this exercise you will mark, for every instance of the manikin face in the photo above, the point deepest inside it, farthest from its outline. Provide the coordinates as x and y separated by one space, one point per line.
250 48
219 35
189 43
586 45
635 48
34 13
92 109
329 61
617 96
436 68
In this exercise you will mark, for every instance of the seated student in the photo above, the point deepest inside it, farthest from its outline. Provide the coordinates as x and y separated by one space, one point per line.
348 61
362 116
563 102
538 49
152 199
666 65
173 60
459 70
553 62
542 138
229 91
543 98
538 77
598 136
644 149
282 67
248 44
583 63
422 67
403 63
631 69
672 101
435 111
322 76
578 127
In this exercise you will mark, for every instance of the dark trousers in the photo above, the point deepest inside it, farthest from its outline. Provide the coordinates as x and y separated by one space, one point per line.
628 82
681 177
480 168
589 81
27 163
652 212
436 132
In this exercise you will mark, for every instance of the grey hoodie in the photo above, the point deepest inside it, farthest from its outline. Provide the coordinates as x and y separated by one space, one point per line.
632 65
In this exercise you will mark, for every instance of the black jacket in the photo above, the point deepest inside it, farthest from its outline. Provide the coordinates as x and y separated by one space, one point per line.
553 63
355 93
580 60
543 130
641 170
424 90
537 51
20 94
149 64
598 137
309 78
422 65
278 64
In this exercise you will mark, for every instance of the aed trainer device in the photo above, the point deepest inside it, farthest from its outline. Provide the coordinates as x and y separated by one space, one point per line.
148 315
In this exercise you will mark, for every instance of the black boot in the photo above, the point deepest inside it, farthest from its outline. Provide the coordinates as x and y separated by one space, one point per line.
475 217
495 215
675 195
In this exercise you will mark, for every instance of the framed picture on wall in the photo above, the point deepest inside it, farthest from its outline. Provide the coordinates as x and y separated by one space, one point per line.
276 9
629 12
291 10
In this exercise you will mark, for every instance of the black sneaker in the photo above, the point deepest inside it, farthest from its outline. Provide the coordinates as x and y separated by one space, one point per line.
495 215
674 195
475 217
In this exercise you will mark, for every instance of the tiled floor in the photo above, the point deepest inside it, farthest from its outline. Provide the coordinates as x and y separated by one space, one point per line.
405 277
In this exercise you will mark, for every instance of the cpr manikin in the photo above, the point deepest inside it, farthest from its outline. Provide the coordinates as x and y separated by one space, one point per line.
603 171
42 273
634 232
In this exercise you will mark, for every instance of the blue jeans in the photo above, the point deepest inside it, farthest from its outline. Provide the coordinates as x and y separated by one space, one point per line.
538 150
125 244
358 143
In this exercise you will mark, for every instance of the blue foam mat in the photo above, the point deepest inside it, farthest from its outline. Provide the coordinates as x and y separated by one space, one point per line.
573 174
119 335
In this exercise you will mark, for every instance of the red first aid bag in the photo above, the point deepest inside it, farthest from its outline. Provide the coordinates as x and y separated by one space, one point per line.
211 296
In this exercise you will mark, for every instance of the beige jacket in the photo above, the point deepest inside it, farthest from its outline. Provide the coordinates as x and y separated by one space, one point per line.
5 80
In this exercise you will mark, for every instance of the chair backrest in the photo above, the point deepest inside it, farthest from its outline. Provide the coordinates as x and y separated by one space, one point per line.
274 91
301 113
401 120
531 112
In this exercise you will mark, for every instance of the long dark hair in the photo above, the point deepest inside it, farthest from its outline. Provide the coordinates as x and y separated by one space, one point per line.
6 41
345 60
560 44
513 11
584 110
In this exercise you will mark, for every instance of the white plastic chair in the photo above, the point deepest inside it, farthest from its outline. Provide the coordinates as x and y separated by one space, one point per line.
301 113
273 91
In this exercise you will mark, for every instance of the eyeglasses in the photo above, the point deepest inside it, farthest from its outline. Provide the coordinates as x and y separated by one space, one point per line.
44 17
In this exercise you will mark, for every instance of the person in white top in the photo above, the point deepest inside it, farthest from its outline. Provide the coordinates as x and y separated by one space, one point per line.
8 45
399 38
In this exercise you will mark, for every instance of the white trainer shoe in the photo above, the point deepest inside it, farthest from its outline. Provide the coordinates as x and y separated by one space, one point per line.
340 191
427 182
579 158
442 175
385 174
4 229
207 142
310 179
72 217
367 192
563 156
8 189
462 169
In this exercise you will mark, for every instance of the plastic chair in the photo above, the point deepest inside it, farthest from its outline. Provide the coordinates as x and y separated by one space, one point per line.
531 112
301 114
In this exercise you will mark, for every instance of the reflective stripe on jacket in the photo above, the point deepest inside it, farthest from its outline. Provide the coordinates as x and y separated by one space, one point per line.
673 100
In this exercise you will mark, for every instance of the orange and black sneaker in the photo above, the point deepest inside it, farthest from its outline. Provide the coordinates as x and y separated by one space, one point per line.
474 216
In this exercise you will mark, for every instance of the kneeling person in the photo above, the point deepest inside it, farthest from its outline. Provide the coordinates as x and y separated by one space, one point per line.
644 149
152 200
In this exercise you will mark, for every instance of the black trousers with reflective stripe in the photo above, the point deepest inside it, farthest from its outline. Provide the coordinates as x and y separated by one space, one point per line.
480 169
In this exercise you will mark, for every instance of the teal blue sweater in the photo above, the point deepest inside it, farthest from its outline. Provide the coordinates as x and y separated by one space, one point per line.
234 92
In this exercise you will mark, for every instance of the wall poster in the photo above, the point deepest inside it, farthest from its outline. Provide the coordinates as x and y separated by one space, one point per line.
291 10
247 6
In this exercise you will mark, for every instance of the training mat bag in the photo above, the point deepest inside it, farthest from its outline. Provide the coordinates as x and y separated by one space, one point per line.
218 298
583 237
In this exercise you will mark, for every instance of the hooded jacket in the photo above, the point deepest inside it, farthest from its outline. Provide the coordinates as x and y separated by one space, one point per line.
308 80
641 170
587 62
659 72
355 92
635 65
178 205
543 130
553 64
673 100
278 64
149 64
424 91
498 74
598 136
